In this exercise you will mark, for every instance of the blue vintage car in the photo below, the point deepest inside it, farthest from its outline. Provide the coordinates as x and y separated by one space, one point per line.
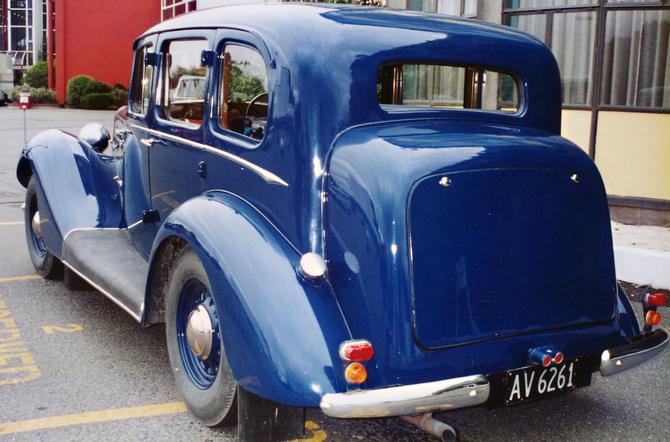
364 210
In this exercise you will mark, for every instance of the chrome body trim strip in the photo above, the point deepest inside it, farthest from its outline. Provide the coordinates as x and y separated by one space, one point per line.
643 348
429 397
269 177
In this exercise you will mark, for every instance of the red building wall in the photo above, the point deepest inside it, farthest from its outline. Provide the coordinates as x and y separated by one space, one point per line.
95 37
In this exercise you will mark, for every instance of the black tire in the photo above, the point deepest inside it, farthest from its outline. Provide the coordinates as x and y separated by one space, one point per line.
207 385
45 263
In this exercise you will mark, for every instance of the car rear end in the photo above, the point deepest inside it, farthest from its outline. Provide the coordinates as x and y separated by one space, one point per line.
476 259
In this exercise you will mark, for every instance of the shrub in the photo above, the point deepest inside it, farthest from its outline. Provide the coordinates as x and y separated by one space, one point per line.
82 85
97 101
38 76
37 95
14 94
120 96
43 95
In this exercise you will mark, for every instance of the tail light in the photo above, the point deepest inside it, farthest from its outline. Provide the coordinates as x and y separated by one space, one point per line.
356 351
650 302
654 299
356 373
544 356
653 318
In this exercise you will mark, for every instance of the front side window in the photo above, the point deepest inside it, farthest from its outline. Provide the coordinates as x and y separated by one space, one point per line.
184 84
141 82
244 92
449 87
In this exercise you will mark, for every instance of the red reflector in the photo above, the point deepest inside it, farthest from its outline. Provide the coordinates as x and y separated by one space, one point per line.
546 360
653 318
656 299
558 358
356 351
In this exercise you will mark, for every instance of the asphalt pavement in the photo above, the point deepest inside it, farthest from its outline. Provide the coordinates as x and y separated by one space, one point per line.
92 373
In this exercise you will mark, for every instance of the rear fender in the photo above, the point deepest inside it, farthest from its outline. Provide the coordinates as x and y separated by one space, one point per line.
75 185
281 333
626 315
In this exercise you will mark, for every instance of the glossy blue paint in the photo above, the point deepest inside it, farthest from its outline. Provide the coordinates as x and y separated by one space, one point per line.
456 240
281 333
320 90
396 240
72 175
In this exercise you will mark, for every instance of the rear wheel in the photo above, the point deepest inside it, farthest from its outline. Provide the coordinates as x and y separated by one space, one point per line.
46 264
195 345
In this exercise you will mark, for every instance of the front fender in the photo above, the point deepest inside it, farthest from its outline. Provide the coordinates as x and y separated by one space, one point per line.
75 185
281 333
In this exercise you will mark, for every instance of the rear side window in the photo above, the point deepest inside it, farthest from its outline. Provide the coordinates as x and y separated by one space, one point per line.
141 82
184 80
243 106
452 87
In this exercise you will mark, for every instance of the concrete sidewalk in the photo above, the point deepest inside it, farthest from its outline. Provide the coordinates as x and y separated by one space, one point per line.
642 254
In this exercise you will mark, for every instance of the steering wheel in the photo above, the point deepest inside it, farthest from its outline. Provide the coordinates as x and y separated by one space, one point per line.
254 100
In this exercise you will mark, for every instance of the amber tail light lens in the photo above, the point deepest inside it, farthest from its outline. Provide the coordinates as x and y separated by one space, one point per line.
653 318
356 373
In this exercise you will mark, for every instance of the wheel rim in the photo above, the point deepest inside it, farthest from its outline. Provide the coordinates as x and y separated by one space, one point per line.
198 334
36 237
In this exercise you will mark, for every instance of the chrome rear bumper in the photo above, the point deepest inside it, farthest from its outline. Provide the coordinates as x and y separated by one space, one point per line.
640 350
430 397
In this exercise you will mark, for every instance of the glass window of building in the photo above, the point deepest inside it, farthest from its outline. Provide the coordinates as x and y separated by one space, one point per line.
611 53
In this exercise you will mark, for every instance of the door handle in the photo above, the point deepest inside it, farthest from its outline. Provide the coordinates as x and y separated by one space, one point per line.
148 142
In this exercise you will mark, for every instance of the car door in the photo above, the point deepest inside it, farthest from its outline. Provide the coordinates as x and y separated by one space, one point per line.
176 135
134 176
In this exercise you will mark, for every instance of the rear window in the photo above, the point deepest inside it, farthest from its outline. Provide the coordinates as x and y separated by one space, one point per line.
407 86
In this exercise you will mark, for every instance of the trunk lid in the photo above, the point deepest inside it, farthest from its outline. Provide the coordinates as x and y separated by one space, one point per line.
499 252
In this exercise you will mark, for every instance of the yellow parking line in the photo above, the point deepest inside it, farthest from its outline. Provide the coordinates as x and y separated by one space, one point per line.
15 223
20 278
92 417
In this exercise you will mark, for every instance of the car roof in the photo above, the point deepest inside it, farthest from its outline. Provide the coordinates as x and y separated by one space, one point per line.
293 19
341 48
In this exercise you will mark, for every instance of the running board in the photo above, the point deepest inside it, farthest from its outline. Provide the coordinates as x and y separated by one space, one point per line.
107 259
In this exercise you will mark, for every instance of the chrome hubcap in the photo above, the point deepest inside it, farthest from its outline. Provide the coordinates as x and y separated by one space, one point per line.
200 332
36 225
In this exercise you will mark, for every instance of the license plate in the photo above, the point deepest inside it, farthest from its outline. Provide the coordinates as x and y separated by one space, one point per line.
536 382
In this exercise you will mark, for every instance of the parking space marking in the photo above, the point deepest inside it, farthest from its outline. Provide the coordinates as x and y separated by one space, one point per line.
51 329
20 278
15 357
92 417
317 434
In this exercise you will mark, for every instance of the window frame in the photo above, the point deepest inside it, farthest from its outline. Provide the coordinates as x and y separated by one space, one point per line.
472 97
148 43
162 88
236 38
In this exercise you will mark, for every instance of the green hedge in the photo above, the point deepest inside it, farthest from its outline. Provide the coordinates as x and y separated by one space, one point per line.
97 101
37 95
80 86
